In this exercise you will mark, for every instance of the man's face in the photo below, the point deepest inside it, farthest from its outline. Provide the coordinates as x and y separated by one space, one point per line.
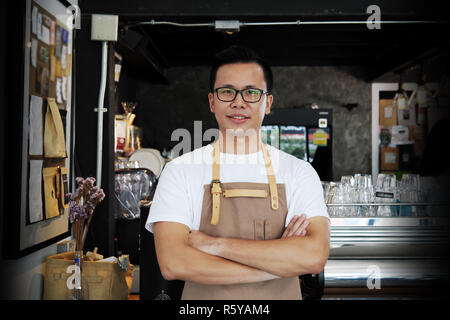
229 114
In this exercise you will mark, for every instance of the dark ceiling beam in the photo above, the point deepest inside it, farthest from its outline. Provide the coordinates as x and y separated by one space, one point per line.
376 51
153 48
286 8
402 62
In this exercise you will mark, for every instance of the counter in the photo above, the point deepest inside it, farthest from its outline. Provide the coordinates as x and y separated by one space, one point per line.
390 257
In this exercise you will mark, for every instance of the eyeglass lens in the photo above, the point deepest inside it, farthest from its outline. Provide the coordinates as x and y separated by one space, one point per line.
229 94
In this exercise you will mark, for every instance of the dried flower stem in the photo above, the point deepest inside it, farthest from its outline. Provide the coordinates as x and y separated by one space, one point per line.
81 208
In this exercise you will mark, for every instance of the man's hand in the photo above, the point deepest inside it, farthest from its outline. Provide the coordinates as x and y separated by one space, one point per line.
296 227
203 242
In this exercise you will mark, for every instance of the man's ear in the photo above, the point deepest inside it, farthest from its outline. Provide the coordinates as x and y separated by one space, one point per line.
268 103
211 102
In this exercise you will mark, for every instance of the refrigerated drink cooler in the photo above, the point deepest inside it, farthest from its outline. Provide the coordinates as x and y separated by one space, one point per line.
304 133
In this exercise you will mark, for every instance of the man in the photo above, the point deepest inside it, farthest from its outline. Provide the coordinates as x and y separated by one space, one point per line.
232 227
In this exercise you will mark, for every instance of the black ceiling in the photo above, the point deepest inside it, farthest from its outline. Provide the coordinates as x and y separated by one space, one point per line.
371 54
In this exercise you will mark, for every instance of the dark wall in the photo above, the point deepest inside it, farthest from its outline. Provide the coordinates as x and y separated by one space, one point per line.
3 103
88 75
11 115
164 108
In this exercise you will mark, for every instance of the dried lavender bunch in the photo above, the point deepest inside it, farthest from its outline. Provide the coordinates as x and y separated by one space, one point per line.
81 208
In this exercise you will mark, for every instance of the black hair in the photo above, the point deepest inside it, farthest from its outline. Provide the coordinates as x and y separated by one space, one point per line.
239 54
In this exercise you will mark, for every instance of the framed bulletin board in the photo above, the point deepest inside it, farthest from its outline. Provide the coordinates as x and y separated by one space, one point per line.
41 217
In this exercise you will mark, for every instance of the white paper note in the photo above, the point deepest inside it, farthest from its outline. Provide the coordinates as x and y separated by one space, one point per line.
63 57
52 32
422 96
39 25
387 112
34 191
58 90
390 157
400 135
401 103
36 132
45 35
33 52
34 15
64 88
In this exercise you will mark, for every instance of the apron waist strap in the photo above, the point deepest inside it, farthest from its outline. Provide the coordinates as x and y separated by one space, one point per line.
255 193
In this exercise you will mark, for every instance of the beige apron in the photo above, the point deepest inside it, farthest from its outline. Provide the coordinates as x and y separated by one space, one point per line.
247 211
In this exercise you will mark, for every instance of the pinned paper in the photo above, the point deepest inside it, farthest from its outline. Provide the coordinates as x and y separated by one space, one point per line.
117 69
34 46
52 68
390 157
44 54
34 191
46 21
39 25
63 57
45 35
36 129
34 15
52 32
388 112
422 95
65 36
407 117
58 90
58 40
401 103
58 69
68 65
64 88
400 135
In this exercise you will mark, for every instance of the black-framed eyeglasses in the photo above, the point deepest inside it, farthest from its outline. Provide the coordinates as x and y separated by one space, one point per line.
251 95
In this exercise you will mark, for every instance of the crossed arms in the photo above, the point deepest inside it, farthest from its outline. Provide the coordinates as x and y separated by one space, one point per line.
197 257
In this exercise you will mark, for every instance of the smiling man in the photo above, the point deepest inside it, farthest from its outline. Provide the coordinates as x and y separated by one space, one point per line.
246 224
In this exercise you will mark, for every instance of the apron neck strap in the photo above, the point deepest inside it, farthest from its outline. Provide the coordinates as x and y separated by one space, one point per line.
216 162
269 169
271 177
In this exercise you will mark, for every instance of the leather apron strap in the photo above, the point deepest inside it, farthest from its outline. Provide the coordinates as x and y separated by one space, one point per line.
271 176
254 193
216 189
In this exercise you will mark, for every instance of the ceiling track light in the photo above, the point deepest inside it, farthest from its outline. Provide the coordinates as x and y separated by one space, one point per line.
231 26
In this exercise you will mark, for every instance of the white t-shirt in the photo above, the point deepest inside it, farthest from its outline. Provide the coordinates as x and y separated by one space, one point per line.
179 194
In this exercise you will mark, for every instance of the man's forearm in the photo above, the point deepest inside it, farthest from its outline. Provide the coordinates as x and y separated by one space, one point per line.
196 266
283 257
178 260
